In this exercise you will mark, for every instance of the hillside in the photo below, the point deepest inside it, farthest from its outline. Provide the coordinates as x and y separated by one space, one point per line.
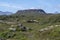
32 24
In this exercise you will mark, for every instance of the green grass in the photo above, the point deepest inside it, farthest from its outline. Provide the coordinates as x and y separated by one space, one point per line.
34 34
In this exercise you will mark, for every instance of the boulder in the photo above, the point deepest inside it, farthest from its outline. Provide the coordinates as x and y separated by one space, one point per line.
32 21
12 29
23 29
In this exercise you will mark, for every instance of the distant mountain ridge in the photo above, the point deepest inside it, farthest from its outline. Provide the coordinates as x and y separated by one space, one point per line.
31 11
5 13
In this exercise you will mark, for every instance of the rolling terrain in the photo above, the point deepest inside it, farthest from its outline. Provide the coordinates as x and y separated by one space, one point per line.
31 24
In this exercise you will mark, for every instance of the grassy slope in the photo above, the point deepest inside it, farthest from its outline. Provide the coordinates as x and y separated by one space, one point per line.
34 34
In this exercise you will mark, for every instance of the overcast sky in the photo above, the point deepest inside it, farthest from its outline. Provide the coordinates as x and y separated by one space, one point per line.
14 5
